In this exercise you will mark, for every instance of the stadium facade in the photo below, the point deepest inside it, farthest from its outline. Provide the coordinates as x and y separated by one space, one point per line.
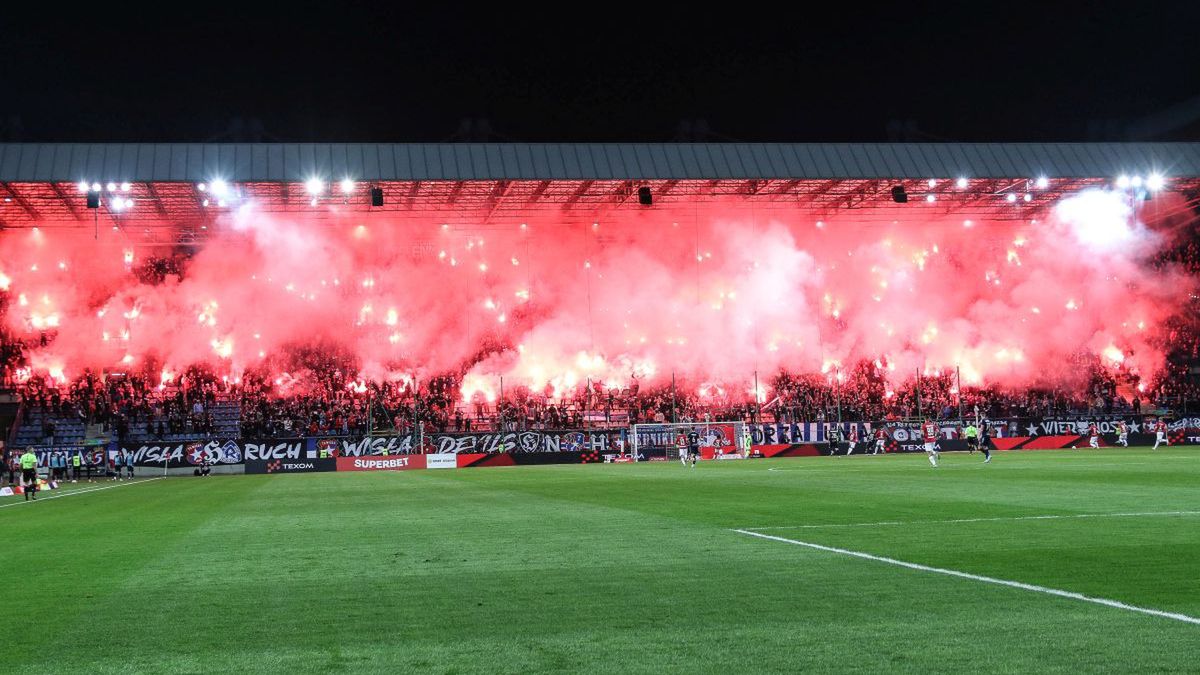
168 183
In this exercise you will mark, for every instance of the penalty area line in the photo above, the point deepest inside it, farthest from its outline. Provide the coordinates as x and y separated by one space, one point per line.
72 493
1070 595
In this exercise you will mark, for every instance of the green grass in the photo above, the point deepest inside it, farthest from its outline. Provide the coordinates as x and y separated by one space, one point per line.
614 568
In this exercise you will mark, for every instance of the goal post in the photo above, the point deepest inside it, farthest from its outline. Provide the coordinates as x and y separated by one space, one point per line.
717 440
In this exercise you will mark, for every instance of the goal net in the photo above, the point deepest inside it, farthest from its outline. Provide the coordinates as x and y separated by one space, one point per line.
716 440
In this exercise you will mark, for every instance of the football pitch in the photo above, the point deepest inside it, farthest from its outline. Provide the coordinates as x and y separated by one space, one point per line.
1043 561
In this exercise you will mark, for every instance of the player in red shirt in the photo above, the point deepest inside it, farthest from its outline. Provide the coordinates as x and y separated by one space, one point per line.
853 439
929 432
1160 434
880 441
1093 436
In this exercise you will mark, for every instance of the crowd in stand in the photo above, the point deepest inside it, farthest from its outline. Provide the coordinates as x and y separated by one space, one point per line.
320 393
117 401
326 398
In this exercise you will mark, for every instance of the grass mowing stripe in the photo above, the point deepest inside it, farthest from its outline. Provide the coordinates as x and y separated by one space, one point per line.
976 520
975 577
80 492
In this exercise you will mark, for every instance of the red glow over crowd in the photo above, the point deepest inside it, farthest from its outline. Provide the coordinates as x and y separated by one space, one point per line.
371 323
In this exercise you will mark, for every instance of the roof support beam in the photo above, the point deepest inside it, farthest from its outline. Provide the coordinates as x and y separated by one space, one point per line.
20 201
786 187
538 191
158 206
578 194
58 192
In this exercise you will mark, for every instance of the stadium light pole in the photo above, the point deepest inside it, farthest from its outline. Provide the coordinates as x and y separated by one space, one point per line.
919 413
673 420
757 405
370 412
417 430
837 392
958 387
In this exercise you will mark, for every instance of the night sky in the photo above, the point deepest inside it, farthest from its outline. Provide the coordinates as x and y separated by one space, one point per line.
350 72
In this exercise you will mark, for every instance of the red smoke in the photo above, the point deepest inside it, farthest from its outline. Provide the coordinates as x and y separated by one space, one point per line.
711 291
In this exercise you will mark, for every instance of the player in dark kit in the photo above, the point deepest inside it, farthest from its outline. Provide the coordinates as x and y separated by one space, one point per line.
985 433
693 445
835 437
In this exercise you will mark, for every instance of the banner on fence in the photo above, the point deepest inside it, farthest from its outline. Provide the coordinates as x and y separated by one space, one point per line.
454 443
291 465
381 463
441 461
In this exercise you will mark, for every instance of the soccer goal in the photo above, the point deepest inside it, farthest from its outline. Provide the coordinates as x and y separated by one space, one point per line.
717 440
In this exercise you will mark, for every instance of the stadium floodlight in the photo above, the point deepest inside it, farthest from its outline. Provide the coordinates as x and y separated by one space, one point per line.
1123 181
204 202
312 202
1136 181
314 186
221 203
219 187
125 187
1011 197
931 198
83 186
128 203
1028 197
95 187
347 186
112 187
961 183
116 204
203 187
1042 183
1155 181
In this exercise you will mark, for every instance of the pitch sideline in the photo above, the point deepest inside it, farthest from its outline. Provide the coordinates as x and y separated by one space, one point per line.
80 492
1070 595
884 523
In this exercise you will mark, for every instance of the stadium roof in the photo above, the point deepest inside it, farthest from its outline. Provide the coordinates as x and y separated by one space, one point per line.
173 188
295 162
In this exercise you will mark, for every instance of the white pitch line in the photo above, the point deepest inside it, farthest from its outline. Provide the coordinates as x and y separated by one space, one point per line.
976 577
79 492
979 520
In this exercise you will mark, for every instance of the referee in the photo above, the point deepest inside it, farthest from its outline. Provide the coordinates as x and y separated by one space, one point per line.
29 474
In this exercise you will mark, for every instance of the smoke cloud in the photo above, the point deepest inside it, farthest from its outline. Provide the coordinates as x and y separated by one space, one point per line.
712 292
